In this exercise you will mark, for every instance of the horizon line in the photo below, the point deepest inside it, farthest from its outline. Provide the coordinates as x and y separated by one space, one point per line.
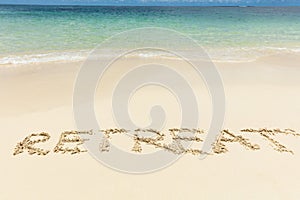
153 5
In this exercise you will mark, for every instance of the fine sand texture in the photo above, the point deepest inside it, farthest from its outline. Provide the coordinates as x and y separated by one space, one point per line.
261 94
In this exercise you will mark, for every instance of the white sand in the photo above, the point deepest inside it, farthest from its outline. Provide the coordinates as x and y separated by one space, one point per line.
38 98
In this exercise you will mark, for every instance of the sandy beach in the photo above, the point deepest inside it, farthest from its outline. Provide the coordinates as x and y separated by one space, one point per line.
261 94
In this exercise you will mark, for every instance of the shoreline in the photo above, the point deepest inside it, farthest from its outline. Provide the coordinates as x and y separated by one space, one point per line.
66 56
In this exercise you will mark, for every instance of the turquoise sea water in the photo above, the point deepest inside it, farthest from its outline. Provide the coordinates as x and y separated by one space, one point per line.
49 33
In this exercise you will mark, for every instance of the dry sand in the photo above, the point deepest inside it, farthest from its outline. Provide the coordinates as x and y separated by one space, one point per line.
264 93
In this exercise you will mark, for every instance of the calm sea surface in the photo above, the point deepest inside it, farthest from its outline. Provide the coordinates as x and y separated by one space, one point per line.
46 33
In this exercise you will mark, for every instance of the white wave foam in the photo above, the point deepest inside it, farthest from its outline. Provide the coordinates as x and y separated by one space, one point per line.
241 54
44 58
247 54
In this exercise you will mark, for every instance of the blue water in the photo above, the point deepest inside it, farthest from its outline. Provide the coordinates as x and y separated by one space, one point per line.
225 32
